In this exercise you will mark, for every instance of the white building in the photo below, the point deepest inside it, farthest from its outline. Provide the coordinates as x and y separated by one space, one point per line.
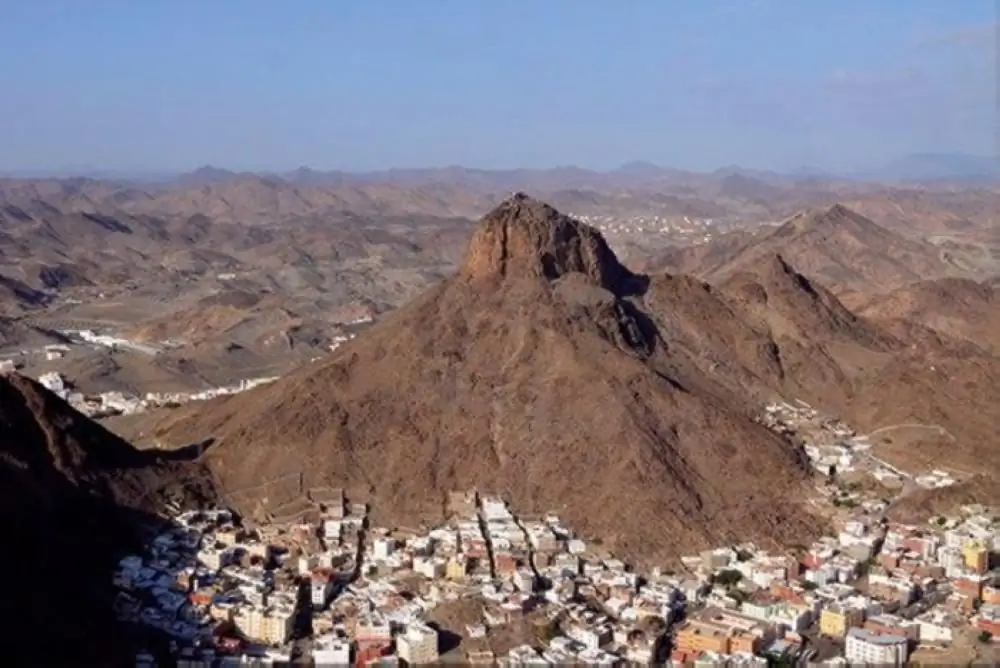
935 629
746 660
52 381
334 652
431 568
320 587
383 548
864 647
495 509
331 529
418 646
591 637
210 558
308 563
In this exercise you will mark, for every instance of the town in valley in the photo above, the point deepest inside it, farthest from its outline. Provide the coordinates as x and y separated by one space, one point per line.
494 587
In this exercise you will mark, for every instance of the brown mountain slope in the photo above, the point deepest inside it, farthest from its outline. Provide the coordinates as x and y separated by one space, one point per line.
791 305
767 333
917 507
16 297
72 497
961 308
819 345
949 389
880 374
769 325
15 334
535 373
835 246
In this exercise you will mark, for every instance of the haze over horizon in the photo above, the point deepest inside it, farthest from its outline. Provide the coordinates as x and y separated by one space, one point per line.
767 84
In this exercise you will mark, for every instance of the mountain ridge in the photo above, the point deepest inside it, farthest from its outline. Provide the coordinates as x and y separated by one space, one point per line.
843 249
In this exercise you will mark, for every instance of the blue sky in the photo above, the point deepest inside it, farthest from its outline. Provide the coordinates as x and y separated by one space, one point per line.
368 84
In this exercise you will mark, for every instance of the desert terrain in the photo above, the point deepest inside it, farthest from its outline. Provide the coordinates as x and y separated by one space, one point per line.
231 276
262 337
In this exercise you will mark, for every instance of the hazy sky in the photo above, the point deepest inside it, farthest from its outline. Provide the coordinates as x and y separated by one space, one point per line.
367 84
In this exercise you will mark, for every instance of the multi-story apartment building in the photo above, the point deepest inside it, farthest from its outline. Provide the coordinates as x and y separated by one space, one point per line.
866 648
836 620
722 631
273 625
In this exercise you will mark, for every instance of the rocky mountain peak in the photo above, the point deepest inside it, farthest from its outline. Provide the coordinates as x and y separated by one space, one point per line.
524 237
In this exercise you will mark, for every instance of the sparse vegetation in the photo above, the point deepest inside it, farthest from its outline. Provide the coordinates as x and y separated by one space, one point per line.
738 595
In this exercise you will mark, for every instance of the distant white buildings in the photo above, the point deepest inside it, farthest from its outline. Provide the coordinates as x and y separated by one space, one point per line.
339 340
120 403
114 342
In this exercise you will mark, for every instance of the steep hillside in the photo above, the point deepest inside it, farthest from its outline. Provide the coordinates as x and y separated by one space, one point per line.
74 496
960 308
819 345
17 297
882 372
535 372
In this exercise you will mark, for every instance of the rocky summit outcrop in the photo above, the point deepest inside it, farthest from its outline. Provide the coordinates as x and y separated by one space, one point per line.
533 373
73 498
524 237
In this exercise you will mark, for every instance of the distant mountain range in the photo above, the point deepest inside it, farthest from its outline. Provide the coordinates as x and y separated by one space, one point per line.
919 167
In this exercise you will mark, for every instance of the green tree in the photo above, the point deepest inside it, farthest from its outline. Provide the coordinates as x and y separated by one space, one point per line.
727 577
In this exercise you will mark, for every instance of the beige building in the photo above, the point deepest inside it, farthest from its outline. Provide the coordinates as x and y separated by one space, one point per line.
418 646
836 620
722 631
273 625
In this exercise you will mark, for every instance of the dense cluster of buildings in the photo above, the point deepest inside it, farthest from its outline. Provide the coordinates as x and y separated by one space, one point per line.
873 593
876 591
330 586
226 593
